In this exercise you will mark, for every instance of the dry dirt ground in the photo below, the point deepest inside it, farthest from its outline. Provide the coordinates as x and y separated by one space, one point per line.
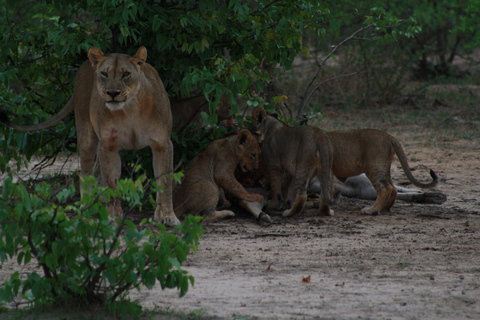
416 262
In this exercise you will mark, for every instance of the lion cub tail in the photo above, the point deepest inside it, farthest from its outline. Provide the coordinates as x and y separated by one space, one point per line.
406 168
43 125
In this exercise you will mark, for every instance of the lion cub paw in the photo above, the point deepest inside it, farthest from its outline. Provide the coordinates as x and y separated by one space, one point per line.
327 213
288 213
222 214
369 211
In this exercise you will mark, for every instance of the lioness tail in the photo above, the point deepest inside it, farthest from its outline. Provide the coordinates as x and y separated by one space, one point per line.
46 124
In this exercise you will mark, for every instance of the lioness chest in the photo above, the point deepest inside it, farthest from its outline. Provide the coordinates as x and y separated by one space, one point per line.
128 129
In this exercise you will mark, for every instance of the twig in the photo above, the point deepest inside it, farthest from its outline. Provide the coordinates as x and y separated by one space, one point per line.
271 234
331 79
304 98
426 215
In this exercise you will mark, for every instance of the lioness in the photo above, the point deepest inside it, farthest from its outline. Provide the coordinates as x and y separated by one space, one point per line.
120 103
212 172
301 152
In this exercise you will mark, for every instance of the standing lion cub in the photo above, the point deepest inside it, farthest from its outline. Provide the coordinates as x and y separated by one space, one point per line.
211 173
300 152
371 152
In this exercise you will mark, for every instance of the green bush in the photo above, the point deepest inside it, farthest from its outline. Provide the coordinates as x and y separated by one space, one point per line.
211 47
81 255
449 29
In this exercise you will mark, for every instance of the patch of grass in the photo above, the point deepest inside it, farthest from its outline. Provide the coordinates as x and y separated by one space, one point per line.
402 265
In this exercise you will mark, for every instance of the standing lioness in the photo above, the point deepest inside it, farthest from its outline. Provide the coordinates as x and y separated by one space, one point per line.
301 152
120 103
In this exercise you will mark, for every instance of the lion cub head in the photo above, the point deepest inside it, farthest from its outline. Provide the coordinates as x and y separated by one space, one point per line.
118 76
247 151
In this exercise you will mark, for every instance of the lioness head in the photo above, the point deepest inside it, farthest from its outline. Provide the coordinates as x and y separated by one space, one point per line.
248 151
117 75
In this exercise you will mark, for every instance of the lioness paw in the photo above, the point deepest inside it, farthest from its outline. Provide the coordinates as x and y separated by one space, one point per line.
170 221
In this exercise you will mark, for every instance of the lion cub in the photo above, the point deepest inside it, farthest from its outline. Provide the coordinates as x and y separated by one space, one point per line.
212 171
301 152
371 152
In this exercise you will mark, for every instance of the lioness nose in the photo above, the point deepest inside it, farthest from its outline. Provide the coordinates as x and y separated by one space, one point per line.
113 93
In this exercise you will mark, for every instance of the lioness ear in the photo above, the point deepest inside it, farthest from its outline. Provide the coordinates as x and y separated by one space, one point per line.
259 114
141 56
95 56
243 137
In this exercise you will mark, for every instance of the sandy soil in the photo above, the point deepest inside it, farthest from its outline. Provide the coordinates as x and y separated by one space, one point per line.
416 262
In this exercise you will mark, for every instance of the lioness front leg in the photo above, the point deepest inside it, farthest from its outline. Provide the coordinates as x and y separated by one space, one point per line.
110 170
163 170
88 152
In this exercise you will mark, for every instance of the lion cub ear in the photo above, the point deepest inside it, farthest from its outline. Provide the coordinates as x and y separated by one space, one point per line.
259 136
96 57
140 57
259 114
243 137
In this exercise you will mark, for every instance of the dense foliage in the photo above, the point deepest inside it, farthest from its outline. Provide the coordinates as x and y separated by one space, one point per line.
79 255
212 48
450 28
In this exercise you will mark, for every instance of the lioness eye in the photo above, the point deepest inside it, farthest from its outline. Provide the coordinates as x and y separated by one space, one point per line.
126 75
104 74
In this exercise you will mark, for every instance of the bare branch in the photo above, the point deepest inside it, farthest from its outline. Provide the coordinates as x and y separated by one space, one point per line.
306 95
331 79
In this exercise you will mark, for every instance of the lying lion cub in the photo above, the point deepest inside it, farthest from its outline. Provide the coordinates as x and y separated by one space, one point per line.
301 152
120 103
212 171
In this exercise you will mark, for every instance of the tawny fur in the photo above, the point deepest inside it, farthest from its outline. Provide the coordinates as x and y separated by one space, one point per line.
301 152
371 152
120 103
212 172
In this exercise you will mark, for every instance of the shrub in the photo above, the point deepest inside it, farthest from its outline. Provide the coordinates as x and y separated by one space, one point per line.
82 256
